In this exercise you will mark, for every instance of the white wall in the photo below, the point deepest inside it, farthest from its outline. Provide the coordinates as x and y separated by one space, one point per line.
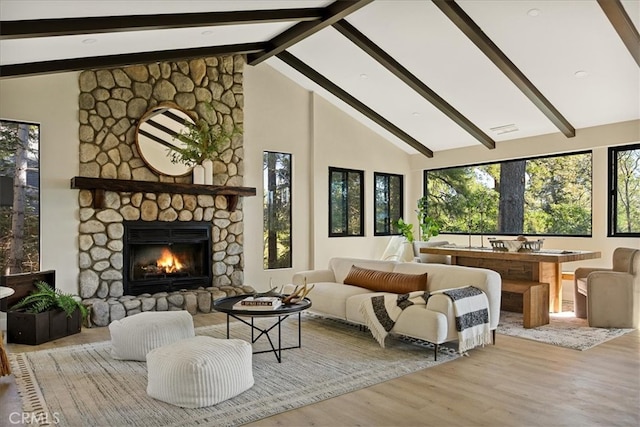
52 101
282 116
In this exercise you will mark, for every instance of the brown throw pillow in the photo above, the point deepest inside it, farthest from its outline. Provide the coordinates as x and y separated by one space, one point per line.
385 281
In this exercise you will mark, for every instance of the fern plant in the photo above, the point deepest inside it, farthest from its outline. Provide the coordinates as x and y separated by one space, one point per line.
46 298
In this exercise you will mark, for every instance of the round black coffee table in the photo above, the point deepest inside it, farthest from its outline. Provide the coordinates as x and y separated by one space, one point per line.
226 305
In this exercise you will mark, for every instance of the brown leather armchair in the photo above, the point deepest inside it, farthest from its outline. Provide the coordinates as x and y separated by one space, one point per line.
610 298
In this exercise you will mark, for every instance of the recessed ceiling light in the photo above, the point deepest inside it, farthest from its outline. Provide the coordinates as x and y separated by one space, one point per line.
363 76
580 74
533 12
499 130
89 41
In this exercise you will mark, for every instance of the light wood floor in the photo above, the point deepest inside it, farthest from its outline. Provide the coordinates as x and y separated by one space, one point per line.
514 383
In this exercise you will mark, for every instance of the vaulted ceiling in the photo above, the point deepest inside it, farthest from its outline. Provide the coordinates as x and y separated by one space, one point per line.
429 75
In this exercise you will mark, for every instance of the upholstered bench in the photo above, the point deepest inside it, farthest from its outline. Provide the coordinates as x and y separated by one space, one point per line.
199 371
134 336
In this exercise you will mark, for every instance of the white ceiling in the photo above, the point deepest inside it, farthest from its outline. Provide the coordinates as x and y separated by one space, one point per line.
562 39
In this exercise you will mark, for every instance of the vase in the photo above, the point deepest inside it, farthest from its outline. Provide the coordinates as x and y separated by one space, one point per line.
207 164
198 174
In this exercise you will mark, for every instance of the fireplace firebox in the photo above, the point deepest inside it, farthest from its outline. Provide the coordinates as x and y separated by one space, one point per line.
166 256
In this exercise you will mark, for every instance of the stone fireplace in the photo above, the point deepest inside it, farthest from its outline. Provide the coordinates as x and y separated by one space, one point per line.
111 103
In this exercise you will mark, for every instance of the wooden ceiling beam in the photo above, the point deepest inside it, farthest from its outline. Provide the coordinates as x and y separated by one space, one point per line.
110 24
332 13
387 61
623 25
331 87
458 16
109 61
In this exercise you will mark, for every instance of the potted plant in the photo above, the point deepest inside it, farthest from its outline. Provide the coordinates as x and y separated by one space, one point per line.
201 141
428 227
44 315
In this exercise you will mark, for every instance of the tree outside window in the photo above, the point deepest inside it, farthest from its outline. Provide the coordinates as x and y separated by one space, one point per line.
624 191
277 205
19 197
537 196
388 203
346 202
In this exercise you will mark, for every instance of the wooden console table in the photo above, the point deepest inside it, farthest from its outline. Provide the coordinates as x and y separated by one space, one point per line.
544 266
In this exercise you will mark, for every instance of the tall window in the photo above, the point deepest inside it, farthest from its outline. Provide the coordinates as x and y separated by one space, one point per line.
277 210
538 196
346 202
388 202
19 197
624 191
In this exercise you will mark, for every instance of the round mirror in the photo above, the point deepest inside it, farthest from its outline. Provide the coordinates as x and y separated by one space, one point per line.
156 137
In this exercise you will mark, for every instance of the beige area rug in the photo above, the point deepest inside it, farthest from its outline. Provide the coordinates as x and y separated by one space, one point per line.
564 330
83 386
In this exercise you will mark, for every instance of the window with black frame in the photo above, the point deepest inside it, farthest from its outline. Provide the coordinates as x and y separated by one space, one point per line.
19 197
346 202
388 202
624 191
277 206
544 196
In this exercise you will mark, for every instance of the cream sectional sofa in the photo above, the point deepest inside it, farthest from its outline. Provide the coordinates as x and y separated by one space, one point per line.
434 322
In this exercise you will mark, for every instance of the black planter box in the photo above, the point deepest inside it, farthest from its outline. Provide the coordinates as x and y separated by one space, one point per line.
38 328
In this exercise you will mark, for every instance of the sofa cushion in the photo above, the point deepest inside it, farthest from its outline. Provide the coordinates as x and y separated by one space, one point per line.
331 298
384 281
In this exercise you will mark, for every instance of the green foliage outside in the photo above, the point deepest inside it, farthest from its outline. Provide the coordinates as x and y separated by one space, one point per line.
345 210
277 210
557 199
30 248
628 191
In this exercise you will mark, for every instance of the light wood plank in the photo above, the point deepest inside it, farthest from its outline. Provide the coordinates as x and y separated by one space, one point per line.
516 382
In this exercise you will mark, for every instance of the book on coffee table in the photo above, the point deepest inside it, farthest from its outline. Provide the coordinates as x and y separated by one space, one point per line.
258 303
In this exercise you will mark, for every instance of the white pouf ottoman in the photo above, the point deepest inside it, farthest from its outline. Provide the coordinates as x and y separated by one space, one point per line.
135 336
199 371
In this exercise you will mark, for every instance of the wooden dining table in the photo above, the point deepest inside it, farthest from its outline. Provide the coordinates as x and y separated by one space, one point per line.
543 266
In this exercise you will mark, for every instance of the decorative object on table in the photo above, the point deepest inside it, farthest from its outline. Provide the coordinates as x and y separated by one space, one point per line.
44 315
258 303
520 244
272 292
298 294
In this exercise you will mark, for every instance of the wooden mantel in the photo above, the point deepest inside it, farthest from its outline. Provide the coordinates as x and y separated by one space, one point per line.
99 185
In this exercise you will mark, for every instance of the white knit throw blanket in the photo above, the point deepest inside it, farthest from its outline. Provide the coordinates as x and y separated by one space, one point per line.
470 305
382 311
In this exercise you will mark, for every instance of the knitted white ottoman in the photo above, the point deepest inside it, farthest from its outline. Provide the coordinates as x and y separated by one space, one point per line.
134 336
199 371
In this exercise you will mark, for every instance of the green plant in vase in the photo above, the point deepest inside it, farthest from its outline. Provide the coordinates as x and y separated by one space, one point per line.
406 229
429 226
201 141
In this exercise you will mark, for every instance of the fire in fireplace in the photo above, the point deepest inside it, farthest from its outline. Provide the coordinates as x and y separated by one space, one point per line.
163 256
